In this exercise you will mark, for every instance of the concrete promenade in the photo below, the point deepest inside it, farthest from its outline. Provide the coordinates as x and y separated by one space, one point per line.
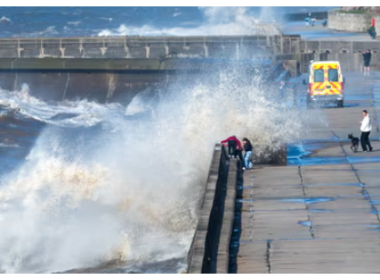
320 33
319 214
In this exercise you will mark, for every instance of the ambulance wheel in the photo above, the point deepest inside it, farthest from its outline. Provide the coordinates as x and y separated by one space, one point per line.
340 104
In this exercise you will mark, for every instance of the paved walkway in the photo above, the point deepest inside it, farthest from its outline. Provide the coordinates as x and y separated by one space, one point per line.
321 214
320 33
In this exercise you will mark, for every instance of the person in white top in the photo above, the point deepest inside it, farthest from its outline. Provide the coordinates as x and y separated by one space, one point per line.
366 130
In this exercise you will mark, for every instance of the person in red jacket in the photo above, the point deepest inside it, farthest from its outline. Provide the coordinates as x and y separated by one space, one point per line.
235 148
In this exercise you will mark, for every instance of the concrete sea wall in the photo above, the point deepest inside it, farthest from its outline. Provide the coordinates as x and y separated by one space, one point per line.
348 53
351 22
209 252
100 80
105 80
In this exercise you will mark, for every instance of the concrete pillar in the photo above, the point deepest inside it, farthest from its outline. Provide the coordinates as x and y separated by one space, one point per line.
206 49
127 51
61 49
351 51
274 46
147 51
352 47
166 49
19 50
103 50
306 47
298 48
42 51
81 47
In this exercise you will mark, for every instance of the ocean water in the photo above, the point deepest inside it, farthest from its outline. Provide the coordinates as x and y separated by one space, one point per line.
105 21
115 187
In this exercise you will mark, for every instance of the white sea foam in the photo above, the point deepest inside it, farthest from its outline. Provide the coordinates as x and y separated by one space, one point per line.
75 23
8 145
4 19
78 113
105 18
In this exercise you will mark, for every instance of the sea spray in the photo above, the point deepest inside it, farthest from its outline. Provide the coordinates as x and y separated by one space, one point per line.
116 188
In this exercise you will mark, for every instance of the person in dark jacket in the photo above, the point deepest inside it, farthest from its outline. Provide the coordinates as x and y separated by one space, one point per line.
366 61
248 152
372 32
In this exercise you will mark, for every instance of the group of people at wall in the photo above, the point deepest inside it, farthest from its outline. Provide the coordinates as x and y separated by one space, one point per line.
236 148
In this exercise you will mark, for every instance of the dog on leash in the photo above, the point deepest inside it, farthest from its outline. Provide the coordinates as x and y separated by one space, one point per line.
354 142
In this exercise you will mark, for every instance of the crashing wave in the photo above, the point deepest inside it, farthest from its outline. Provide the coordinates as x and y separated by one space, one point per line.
67 113
131 195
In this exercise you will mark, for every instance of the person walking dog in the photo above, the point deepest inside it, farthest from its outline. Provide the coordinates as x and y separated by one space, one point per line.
366 129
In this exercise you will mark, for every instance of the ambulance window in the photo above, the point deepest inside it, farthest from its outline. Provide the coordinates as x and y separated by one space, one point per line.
333 75
318 76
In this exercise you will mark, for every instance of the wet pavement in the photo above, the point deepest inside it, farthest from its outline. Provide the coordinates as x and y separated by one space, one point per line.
319 214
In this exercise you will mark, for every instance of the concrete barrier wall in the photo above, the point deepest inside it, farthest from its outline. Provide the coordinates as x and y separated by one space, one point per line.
210 246
223 258
111 80
146 47
348 53
101 80
99 87
289 47
210 249
352 22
